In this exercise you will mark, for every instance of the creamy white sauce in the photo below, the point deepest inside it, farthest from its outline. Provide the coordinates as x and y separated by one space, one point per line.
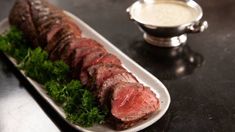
164 14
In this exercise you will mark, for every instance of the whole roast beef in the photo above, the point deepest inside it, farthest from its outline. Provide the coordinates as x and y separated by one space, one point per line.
46 26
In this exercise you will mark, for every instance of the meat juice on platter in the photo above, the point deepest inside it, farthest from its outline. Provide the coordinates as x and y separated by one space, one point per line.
46 26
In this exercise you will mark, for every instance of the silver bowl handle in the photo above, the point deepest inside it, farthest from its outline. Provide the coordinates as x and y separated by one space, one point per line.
197 27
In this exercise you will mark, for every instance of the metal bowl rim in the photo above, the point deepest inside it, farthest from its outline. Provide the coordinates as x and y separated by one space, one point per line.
192 4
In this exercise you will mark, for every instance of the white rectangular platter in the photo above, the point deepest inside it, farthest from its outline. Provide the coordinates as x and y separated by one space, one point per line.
142 75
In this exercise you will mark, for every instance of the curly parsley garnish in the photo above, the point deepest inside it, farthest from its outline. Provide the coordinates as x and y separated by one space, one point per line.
77 101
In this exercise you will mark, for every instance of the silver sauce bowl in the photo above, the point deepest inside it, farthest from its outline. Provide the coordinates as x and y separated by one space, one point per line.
169 36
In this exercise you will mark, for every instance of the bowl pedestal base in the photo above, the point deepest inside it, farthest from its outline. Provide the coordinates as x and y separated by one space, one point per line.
165 41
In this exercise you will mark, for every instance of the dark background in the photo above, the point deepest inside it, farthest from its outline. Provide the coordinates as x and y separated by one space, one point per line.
200 76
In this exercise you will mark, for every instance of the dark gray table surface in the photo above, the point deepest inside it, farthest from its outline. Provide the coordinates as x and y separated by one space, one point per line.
200 76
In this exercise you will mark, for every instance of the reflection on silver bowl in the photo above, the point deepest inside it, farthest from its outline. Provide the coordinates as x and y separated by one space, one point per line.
166 23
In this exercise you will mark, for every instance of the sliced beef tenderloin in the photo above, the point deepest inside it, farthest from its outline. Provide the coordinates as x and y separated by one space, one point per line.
51 44
104 91
78 56
59 45
86 42
42 11
45 14
84 46
72 26
68 27
69 49
96 58
54 25
99 57
109 58
49 19
65 40
132 102
20 16
48 36
98 73
56 52
92 58
46 18
59 37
